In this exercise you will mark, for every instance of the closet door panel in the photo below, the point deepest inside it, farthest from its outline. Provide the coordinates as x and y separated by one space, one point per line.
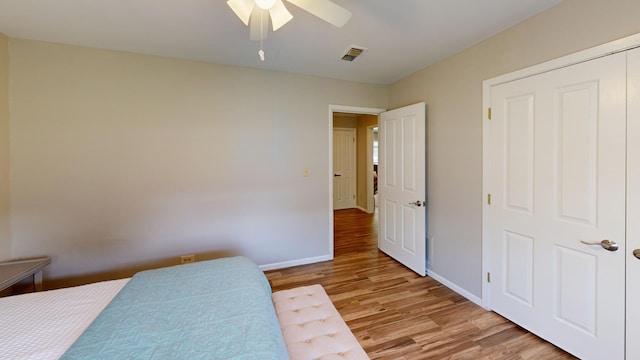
633 204
557 179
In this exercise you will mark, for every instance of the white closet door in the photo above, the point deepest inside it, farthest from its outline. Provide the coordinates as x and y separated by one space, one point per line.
633 204
557 178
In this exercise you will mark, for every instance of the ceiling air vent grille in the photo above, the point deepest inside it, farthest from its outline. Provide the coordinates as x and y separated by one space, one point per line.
353 53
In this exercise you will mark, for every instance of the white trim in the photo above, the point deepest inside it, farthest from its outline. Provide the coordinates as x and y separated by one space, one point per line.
609 48
486 127
343 109
599 51
286 264
362 209
370 204
462 292
354 110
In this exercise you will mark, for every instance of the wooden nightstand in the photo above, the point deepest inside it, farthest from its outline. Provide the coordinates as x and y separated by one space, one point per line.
14 271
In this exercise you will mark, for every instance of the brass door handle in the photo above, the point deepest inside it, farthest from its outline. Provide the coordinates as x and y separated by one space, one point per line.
606 244
417 203
636 253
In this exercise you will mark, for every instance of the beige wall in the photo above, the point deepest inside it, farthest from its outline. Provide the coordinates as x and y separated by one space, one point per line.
121 160
5 233
363 122
452 90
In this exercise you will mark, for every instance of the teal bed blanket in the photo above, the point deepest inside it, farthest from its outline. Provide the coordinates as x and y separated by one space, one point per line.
218 309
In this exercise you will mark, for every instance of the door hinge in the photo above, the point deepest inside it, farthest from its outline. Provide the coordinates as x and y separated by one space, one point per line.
488 277
488 199
489 113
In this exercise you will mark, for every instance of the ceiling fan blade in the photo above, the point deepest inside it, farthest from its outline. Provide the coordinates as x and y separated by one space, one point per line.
259 24
279 15
326 10
242 8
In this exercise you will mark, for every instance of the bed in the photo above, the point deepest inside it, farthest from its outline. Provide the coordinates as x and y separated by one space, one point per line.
218 309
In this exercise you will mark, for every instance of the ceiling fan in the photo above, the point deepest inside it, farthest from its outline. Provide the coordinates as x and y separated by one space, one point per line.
256 14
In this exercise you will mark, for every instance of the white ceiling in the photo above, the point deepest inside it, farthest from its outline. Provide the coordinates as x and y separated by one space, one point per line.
402 36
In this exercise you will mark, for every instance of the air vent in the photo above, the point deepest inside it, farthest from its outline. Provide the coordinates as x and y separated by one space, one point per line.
353 53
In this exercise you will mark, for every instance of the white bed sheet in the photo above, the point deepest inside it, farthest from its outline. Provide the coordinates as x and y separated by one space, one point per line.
43 325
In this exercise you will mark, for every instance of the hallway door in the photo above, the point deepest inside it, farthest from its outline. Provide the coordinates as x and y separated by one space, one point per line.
344 168
402 185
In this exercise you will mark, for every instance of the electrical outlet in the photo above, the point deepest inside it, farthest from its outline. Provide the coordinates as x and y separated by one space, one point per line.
186 259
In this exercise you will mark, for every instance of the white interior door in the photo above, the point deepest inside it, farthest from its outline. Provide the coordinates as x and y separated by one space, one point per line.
344 168
401 186
633 204
557 178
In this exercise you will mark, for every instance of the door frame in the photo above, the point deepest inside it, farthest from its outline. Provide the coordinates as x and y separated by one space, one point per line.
342 109
633 204
616 46
370 204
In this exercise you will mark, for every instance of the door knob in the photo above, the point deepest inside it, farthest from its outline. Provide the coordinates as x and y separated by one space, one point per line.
606 244
416 203
636 253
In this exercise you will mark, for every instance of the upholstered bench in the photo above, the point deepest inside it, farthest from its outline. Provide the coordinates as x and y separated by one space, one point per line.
312 327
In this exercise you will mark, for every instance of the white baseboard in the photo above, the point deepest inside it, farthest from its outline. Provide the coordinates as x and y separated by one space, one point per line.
286 264
362 209
469 296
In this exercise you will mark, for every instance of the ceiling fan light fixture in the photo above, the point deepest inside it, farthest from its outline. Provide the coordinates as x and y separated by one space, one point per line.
257 13
242 8
265 4
279 15
326 10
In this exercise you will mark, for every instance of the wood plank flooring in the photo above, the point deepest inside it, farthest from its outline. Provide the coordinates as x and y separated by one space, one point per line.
396 314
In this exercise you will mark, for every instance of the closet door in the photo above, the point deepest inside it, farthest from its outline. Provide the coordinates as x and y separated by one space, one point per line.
556 176
633 205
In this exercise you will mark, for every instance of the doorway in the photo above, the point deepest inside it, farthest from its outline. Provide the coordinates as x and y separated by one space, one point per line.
361 119
353 162
402 182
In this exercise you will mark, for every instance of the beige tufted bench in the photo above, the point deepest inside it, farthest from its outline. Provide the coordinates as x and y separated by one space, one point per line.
312 327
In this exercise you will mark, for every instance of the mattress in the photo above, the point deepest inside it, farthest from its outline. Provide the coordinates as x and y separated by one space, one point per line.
218 309
43 325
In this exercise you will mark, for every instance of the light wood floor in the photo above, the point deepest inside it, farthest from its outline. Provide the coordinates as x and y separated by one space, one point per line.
396 314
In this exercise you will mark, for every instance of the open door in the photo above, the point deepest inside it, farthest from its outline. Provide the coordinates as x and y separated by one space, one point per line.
402 186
